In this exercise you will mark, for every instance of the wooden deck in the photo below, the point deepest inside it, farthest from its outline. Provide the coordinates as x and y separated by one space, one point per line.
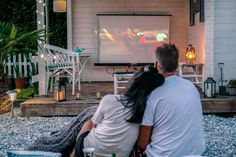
46 106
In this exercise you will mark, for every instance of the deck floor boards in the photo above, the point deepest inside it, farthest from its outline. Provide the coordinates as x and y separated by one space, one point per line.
46 106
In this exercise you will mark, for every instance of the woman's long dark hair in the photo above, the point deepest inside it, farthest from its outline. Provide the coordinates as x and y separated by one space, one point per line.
138 91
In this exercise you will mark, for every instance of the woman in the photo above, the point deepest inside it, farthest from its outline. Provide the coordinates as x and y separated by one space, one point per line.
114 127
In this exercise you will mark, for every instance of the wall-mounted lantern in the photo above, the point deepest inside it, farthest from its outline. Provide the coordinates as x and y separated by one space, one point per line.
59 6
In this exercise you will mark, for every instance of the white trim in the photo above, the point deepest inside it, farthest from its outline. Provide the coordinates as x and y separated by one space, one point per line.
212 36
41 64
69 25
47 18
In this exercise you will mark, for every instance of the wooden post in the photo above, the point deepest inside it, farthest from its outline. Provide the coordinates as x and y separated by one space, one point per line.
42 22
41 78
69 25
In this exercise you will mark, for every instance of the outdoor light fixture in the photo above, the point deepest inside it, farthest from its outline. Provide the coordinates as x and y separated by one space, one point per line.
222 88
210 87
190 54
59 91
59 6
12 98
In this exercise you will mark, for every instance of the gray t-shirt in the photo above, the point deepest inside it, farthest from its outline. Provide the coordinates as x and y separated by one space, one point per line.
175 112
113 134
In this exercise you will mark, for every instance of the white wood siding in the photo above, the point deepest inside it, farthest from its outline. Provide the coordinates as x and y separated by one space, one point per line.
225 38
84 24
220 38
197 39
209 38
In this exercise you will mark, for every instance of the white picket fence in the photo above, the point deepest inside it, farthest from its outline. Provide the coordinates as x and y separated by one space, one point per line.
18 64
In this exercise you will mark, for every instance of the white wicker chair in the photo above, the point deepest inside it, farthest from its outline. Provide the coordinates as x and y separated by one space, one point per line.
63 63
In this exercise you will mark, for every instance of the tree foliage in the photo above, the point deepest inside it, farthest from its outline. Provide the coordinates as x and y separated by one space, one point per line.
22 13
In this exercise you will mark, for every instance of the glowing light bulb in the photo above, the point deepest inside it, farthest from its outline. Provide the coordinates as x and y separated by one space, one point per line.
40 1
39 22
42 13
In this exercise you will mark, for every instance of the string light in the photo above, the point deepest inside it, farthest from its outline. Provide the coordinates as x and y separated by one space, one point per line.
42 13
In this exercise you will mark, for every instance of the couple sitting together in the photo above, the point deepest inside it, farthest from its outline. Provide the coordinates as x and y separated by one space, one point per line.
160 115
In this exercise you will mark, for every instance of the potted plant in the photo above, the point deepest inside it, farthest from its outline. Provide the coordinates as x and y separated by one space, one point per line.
231 87
14 40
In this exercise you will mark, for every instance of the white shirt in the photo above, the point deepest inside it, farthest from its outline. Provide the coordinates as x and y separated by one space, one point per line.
113 134
175 112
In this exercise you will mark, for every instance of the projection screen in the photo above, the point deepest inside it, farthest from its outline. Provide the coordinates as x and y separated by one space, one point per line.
131 39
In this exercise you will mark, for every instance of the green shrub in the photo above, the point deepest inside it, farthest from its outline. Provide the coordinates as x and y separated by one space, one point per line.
25 93
232 82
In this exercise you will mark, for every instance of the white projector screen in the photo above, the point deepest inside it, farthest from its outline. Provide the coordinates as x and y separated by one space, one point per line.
131 39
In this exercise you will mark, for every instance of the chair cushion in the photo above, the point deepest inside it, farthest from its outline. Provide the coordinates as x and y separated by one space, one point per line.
56 65
32 154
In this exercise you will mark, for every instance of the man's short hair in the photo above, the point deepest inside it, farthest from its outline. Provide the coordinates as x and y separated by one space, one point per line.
168 56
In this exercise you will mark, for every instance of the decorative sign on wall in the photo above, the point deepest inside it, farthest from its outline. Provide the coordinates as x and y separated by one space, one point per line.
195 7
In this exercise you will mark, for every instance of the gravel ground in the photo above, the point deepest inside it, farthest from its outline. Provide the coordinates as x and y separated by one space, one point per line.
19 132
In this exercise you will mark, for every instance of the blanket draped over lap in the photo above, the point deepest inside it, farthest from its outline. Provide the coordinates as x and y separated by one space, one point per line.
59 141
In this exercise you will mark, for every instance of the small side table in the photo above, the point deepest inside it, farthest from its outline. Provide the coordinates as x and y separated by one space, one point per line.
192 72
120 79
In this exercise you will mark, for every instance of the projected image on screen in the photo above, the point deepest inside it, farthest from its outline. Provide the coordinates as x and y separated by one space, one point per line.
131 39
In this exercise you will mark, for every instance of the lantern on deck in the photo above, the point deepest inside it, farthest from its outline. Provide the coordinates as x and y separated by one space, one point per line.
59 91
190 54
210 87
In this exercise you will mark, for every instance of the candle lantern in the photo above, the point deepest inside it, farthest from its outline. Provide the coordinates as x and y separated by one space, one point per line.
59 91
98 96
210 87
78 96
190 54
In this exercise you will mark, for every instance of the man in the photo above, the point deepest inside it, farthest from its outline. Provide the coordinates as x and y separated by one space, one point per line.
172 122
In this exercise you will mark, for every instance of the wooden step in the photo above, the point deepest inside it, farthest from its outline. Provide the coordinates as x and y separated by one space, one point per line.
50 107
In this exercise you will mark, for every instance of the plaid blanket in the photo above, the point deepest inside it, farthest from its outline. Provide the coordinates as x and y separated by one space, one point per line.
63 140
